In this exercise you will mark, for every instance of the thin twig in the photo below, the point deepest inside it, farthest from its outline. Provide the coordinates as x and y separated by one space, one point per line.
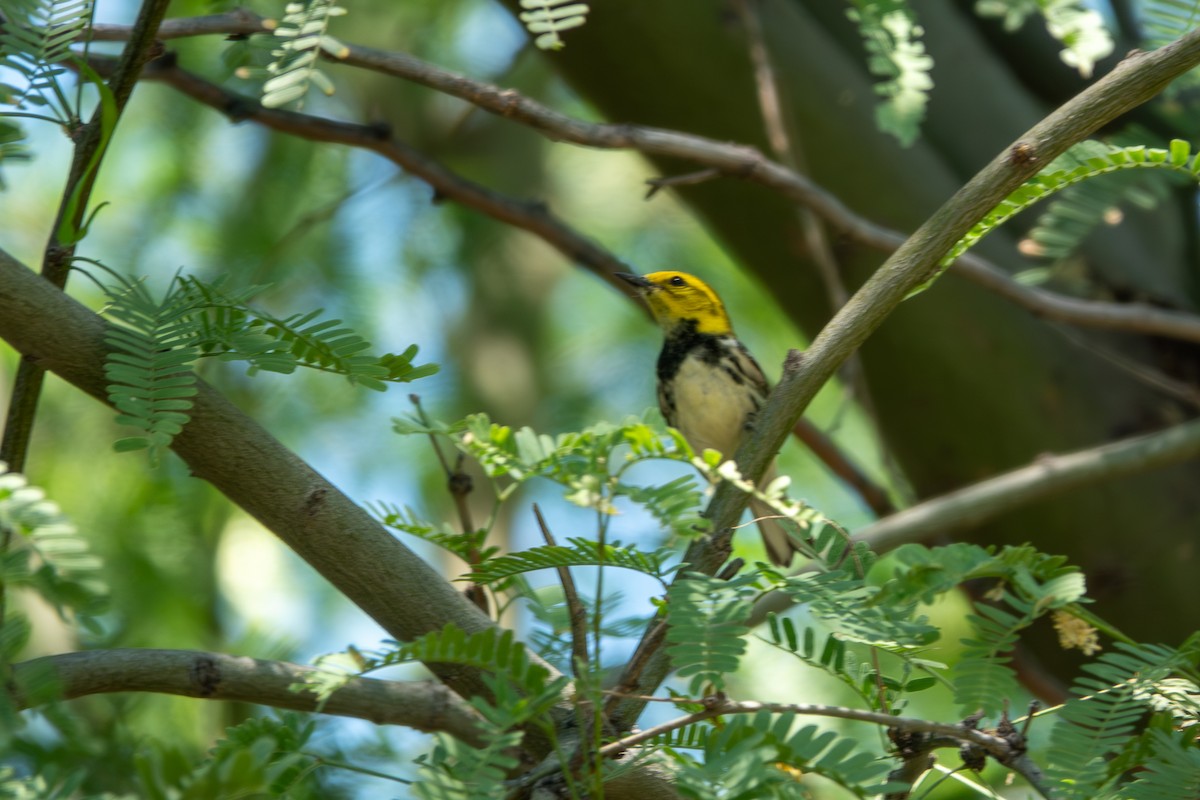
686 179
529 216
631 676
788 153
458 482
1003 749
1143 373
839 464
460 485
576 614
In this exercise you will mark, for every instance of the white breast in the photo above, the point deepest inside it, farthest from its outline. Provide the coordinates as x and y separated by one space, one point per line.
711 409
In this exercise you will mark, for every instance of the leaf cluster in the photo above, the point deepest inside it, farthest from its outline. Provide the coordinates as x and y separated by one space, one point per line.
1085 162
46 553
760 756
35 46
157 342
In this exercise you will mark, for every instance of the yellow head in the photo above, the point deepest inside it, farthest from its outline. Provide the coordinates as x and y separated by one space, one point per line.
676 297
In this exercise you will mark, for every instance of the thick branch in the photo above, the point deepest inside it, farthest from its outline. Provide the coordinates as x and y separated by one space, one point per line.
222 445
1132 82
423 705
979 502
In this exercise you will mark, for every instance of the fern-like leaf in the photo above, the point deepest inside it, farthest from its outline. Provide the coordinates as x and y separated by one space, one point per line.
497 652
1171 773
468 546
546 19
1164 21
149 364
12 143
233 330
983 679
1082 208
49 555
1105 714
35 41
1080 29
459 771
1177 158
302 38
577 553
848 604
707 618
895 53
758 756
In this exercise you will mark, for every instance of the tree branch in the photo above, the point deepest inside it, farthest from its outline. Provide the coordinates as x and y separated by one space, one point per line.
424 705
1048 474
979 502
1134 81
528 216
732 160
222 445
1008 752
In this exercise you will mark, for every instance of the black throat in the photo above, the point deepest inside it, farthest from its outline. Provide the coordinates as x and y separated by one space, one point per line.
684 340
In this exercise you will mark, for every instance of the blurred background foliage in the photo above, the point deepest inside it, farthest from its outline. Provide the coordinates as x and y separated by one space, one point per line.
519 332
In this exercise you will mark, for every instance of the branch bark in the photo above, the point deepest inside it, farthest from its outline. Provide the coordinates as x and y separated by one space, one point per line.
222 445
979 502
424 705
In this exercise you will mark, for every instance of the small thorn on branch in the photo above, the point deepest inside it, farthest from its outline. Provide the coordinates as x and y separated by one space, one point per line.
687 179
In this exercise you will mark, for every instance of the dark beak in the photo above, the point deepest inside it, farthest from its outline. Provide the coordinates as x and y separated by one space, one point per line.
636 281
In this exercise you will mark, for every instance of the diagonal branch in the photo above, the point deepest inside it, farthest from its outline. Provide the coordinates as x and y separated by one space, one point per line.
423 705
225 447
1134 81
1048 474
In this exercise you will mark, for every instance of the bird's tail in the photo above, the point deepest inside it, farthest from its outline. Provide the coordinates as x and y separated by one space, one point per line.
780 546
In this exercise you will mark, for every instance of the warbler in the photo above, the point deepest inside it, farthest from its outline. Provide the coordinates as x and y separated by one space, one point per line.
709 386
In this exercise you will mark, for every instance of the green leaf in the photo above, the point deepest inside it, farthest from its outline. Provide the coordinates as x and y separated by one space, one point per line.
300 36
548 18
895 52
708 625
577 553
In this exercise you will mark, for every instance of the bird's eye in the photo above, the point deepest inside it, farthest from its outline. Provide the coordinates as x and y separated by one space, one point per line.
677 281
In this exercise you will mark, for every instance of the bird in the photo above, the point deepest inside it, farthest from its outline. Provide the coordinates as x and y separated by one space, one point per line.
709 386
